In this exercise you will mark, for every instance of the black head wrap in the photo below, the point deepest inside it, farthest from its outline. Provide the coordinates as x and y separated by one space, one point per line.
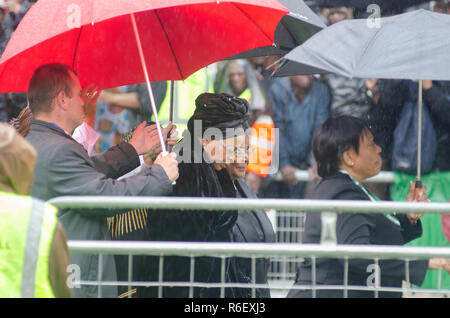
220 111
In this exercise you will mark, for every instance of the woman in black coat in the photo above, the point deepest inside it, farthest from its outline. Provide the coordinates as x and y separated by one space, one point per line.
346 155
211 166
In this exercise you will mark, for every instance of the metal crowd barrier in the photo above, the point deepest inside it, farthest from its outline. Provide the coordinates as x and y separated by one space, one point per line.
289 225
189 203
257 250
281 252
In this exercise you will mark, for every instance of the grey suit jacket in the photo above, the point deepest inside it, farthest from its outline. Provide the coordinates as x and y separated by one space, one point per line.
250 226
64 168
247 231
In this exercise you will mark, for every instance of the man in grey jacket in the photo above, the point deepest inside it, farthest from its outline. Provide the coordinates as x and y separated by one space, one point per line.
64 168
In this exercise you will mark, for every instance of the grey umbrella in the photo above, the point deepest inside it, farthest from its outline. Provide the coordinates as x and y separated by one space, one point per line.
414 45
293 29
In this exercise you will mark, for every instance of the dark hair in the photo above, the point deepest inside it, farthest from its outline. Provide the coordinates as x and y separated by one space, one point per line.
335 136
221 111
45 84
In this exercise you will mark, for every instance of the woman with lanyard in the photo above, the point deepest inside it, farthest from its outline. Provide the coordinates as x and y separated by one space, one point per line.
346 155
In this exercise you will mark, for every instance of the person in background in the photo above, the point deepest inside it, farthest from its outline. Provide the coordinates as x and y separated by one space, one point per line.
135 99
383 118
346 155
239 78
442 6
34 255
11 104
184 93
348 96
5 33
111 122
300 104
16 11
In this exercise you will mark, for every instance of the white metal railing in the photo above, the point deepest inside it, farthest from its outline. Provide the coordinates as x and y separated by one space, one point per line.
183 203
258 250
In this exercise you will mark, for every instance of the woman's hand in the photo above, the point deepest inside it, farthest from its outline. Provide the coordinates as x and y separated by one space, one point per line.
170 132
90 96
438 263
421 197
288 173
313 174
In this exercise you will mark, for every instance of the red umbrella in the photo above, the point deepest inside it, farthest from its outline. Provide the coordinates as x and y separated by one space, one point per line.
100 40
96 38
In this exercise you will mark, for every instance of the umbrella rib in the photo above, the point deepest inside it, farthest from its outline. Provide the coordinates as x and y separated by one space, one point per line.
170 45
76 48
248 17
290 34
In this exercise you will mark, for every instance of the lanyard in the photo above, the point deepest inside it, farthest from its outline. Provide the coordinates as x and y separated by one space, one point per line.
391 216
59 128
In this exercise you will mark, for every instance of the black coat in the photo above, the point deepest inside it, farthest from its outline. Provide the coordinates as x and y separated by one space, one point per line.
357 228
201 180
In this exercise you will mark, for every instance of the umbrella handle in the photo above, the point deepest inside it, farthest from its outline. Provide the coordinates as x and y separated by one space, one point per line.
172 88
417 189
147 80
165 153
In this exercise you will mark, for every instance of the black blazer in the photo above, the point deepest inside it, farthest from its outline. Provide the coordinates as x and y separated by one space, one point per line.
250 226
357 228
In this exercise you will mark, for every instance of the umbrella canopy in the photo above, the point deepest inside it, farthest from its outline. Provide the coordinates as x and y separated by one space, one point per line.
294 28
412 45
97 38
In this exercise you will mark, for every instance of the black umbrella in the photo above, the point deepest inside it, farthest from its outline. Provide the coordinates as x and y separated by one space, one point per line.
293 29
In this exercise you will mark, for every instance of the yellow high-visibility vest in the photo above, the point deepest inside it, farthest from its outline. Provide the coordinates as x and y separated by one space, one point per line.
27 227
185 93
247 95
262 140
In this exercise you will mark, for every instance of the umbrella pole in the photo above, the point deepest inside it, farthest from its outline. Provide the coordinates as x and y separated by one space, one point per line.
172 84
419 141
149 88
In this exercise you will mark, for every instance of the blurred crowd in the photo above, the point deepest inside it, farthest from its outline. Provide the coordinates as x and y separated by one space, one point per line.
11 13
